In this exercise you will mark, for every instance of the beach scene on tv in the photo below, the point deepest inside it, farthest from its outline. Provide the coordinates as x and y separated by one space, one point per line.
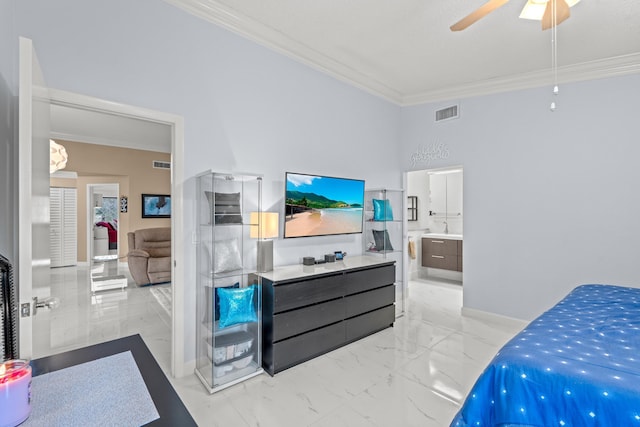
319 205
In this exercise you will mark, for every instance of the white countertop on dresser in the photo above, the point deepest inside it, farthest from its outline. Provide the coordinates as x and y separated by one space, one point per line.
297 271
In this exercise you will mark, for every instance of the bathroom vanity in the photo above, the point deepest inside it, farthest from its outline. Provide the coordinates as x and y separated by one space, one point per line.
442 251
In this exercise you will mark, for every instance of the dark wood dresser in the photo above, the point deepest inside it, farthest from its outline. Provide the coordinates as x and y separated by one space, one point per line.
310 310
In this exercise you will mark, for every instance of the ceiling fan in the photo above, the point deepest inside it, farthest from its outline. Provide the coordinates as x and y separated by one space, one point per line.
534 9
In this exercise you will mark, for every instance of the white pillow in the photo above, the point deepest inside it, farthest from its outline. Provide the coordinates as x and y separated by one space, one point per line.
226 255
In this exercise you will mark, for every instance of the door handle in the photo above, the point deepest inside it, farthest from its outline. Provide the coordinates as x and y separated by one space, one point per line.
50 303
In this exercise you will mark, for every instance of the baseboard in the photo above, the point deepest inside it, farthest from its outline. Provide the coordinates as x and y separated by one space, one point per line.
490 317
188 368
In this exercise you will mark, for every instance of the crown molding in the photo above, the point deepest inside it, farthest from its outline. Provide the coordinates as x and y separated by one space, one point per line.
602 68
213 11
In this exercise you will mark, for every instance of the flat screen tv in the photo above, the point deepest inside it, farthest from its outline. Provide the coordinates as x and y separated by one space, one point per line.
322 205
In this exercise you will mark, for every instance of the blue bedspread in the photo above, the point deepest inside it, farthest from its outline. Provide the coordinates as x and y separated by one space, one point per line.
578 364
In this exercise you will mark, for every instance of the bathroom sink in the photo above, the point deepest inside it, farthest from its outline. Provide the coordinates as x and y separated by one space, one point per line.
443 236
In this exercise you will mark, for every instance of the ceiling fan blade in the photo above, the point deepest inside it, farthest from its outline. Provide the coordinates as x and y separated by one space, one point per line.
479 13
562 13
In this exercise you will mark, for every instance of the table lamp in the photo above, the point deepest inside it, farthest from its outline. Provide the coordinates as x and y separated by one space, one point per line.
264 226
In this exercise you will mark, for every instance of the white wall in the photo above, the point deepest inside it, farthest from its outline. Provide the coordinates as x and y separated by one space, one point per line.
549 198
8 123
245 107
8 44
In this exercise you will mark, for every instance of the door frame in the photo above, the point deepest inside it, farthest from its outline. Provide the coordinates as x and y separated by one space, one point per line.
33 203
176 123
442 169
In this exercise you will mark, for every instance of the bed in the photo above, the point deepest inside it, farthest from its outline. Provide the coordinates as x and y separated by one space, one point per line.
578 364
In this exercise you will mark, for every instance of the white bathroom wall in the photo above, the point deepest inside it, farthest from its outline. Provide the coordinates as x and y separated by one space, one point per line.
418 185
445 202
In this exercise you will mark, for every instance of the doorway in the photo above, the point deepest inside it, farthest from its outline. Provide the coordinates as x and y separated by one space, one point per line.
103 217
35 100
103 246
115 111
436 224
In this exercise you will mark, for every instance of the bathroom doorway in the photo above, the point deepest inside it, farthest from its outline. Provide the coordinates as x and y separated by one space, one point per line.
435 226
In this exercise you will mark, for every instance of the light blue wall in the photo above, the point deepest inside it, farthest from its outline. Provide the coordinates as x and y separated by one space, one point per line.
8 43
8 147
245 108
549 198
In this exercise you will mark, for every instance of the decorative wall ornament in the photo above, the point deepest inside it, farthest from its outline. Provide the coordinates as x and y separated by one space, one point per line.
124 204
427 153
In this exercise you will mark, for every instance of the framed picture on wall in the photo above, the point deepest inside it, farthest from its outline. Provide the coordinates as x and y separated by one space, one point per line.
156 206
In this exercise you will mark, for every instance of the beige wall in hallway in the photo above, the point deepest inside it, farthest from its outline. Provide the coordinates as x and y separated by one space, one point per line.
131 169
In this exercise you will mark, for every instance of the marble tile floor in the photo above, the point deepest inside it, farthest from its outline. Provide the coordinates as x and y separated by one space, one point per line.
414 374
83 318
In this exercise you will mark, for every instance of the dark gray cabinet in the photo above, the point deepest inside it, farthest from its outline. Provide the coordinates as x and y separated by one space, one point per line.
442 253
309 315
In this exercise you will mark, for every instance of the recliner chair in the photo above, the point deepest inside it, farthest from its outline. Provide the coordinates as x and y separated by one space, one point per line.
149 255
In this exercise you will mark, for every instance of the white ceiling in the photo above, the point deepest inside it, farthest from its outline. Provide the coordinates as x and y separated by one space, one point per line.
403 50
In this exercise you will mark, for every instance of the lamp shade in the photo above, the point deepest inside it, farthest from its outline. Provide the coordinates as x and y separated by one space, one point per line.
57 156
264 225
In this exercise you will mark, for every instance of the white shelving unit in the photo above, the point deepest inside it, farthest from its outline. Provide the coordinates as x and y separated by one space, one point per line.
385 234
229 317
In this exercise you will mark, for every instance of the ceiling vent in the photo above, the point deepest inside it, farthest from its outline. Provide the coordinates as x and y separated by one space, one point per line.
159 164
447 113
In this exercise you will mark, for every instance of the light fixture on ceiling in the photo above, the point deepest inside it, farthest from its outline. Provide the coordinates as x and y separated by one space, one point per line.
534 9
57 156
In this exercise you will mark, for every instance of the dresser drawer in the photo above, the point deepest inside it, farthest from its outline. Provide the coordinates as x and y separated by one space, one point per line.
295 350
299 294
440 246
445 262
305 319
364 280
366 324
368 301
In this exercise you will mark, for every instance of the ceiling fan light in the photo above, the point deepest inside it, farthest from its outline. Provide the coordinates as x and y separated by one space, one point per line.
534 9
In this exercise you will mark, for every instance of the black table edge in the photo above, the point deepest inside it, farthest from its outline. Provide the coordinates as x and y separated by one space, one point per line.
168 404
